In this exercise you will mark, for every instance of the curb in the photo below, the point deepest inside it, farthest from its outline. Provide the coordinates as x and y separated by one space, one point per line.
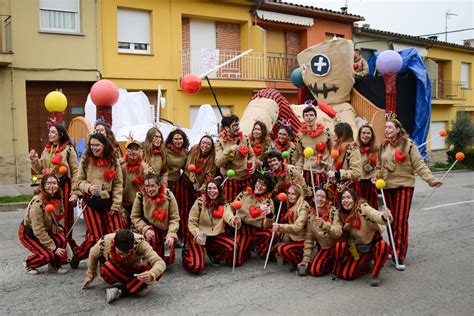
12 207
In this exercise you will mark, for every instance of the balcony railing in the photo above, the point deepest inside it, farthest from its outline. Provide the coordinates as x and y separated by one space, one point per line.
450 90
5 34
253 66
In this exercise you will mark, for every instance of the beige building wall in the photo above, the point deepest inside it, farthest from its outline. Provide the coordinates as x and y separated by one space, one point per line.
39 56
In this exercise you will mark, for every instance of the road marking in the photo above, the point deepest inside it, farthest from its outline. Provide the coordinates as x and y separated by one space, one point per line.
449 204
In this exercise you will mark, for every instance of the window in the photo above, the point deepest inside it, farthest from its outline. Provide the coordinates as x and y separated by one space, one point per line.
437 142
465 75
59 15
133 28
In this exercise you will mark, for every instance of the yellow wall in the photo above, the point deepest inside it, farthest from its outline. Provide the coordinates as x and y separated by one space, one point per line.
163 66
276 41
38 56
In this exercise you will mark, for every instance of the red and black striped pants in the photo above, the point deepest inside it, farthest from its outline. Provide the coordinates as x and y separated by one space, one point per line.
322 262
346 267
158 244
248 236
98 224
233 187
291 252
186 198
399 203
319 178
65 184
220 246
112 272
42 255
368 191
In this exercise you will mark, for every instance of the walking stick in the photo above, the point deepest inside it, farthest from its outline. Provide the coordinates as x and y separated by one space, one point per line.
235 205
459 156
442 133
380 184
282 198
308 153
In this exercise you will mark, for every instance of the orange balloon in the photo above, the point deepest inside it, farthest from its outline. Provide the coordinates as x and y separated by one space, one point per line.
49 208
282 197
236 205
378 175
335 153
442 133
191 168
459 156
63 170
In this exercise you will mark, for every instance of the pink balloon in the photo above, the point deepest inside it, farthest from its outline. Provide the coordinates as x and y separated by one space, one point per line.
104 93
389 61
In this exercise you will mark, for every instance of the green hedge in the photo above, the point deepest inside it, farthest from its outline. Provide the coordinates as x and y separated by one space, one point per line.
468 161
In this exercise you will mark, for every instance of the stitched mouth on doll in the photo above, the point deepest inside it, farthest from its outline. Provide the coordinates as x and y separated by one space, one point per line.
324 91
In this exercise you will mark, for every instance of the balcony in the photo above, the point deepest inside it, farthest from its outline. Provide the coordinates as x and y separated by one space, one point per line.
447 90
253 66
5 40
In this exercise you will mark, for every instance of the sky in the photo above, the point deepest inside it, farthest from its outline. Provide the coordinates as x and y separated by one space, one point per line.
415 17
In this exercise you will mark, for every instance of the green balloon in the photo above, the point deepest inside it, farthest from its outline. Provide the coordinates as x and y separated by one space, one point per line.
285 154
297 77
230 173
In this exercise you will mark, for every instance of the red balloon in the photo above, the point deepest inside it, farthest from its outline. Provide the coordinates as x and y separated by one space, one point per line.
282 197
104 93
356 66
191 84
236 205
49 208
191 168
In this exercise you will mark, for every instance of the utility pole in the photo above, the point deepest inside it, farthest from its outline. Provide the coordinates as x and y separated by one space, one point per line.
448 14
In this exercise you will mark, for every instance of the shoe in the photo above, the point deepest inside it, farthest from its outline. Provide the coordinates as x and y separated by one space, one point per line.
30 271
143 292
179 244
375 281
112 294
401 266
74 263
280 261
390 256
302 271
57 270
334 277
214 261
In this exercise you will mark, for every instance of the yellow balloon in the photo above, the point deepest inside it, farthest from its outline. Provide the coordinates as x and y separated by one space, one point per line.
34 179
55 101
380 184
308 152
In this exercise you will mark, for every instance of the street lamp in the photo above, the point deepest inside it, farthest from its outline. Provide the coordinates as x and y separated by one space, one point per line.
448 14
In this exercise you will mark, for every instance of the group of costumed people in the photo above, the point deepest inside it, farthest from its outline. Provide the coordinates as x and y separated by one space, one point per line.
226 199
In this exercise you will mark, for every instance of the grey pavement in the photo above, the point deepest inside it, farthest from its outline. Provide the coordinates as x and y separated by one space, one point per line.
438 279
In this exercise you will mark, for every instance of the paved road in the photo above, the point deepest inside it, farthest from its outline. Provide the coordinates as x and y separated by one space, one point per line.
438 279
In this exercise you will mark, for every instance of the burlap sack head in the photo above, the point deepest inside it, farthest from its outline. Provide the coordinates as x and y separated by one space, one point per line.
264 110
328 70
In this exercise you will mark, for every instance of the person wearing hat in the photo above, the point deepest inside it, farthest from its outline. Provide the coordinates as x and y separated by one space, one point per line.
133 173
291 247
127 261
155 216
319 138
234 151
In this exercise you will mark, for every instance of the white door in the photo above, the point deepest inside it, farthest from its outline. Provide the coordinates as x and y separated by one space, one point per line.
204 55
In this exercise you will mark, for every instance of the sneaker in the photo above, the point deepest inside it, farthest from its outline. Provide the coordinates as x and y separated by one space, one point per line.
401 266
215 262
58 270
112 294
375 281
280 261
143 292
74 263
302 271
30 271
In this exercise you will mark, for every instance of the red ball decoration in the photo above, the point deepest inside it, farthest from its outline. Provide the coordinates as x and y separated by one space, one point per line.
49 208
356 66
104 93
282 197
236 205
191 84
191 168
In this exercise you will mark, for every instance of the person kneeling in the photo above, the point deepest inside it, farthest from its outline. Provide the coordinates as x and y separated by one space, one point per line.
121 256
363 224
206 224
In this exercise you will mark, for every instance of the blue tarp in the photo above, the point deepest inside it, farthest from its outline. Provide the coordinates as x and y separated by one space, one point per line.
413 62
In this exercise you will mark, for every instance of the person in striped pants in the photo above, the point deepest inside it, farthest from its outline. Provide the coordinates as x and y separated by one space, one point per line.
207 220
122 256
39 231
291 247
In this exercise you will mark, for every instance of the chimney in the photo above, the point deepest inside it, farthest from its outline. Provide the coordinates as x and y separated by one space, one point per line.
366 26
433 38
469 42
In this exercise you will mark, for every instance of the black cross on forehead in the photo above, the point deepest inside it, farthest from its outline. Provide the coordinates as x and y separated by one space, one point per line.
320 65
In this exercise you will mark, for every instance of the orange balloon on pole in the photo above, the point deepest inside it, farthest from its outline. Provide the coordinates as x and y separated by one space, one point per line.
335 153
442 133
459 156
